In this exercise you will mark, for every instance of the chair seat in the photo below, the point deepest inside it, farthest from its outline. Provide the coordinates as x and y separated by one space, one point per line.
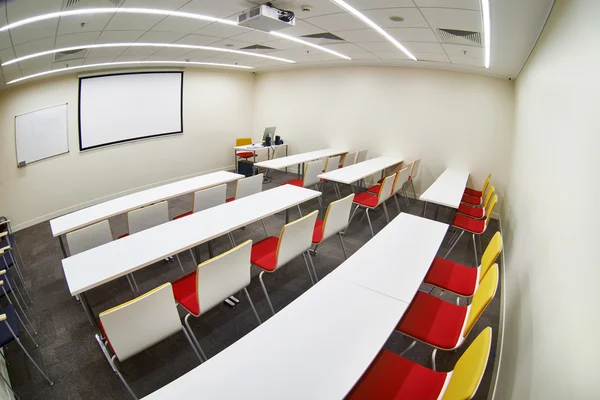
123 235
318 232
473 192
366 199
184 290
374 189
229 200
264 253
433 321
469 224
245 154
183 215
471 200
295 182
452 276
391 376
5 335
474 212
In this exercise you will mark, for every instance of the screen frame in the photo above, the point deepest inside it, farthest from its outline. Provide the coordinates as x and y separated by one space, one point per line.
81 148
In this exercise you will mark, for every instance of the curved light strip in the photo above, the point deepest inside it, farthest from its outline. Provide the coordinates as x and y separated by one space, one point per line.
373 25
172 45
316 46
87 11
485 6
125 63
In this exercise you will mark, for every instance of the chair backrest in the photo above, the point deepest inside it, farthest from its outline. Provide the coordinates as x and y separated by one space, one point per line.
489 195
211 197
386 189
401 179
142 322
148 217
469 368
414 172
490 209
490 255
485 184
89 237
482 297
337 216
222 276
362 156
248 186
243 141
332 164
312 171
295 238
349 160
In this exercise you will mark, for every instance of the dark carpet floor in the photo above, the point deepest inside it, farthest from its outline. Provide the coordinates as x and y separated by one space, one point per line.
69 354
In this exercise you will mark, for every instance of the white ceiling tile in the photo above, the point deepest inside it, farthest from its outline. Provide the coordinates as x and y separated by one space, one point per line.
283 44
36 69
319 7
161 4
7 55
360 35
177 24
106 52
378 46
421 47
413 34
198 55
160 37
11 72
5 42
467 20
458 50
221 30
119 36
237 44
39 30
121 58
34 47
67 64
432 57
364 55
123 22
477 62
300 29
168 54
255 37
18 10
371 4
465 4
99 60
344 48
217 8
412 17
92 22
76 39
391 55
337 22
37 62
140 52
198 40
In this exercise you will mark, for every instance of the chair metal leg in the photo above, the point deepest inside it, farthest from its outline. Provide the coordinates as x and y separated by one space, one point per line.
424 209
193 337
262 283
433 353
131 285
351 216
475 250
385 211
299 210
343 246
19 274
397 202
16 288
231 239
451 248
252 305
180 264
27 353
193 257
369 219
121 377
312 280
413 188
189 339
409 347
312 264
137 288
20 308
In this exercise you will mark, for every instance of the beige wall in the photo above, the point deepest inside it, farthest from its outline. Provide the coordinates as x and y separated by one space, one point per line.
445 118
550 219
217 109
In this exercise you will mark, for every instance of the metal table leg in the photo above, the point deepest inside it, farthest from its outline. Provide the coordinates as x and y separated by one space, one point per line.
87 309
62 246
210 249
424 208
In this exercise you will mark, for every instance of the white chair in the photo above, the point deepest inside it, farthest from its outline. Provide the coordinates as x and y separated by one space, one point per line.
335 222
362 156
206 198
349 159
133 327
311 177
399 185
331 164
247 187
370 201
213 282
414 173
272 253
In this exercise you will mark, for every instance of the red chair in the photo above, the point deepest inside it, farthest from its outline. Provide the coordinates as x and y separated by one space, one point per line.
370 201
335 221
477 212
477 193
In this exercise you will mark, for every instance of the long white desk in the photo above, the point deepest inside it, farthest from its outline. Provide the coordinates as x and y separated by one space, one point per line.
361 170
396 260
297 159
99 212
105 263
315 348
447 190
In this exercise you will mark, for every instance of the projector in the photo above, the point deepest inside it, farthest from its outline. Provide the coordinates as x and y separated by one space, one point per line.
266 18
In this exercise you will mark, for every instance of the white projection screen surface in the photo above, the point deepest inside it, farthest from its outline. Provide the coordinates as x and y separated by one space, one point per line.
130 106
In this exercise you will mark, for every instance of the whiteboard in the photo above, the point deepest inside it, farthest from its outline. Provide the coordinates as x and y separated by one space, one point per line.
41 134
129 106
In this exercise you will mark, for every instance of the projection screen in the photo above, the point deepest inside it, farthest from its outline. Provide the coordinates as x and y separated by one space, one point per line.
130 106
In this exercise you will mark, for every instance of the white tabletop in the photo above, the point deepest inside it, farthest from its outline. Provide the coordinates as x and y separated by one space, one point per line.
448 188
258 146
396 260
361 170
99 212
296 159
102 264
315 348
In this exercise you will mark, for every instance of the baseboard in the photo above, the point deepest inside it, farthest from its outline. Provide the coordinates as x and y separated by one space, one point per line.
498 359
89 203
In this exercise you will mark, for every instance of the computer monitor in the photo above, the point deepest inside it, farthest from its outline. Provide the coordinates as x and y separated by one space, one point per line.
270 131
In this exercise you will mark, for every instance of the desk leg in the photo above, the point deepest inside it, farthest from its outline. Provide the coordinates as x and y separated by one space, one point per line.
62 246
287 216
235 166
210 249
87 309
286 154
298 169
424 208
437 209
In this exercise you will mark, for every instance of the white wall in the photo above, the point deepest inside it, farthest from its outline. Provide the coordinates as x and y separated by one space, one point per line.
445 118
550 217
217 109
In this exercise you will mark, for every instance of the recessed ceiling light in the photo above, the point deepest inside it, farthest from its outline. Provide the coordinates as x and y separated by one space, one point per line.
54 71
396 18
485 7
373 25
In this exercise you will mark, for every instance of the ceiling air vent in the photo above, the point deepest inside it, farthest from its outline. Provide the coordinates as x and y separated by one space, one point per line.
324 35
257 47
70 55
71 4
456 36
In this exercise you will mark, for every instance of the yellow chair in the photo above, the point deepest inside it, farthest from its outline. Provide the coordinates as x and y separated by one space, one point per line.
244 142
477 193
392 376
477 212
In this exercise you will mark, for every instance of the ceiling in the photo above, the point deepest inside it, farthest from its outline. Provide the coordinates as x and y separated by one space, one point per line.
515 28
